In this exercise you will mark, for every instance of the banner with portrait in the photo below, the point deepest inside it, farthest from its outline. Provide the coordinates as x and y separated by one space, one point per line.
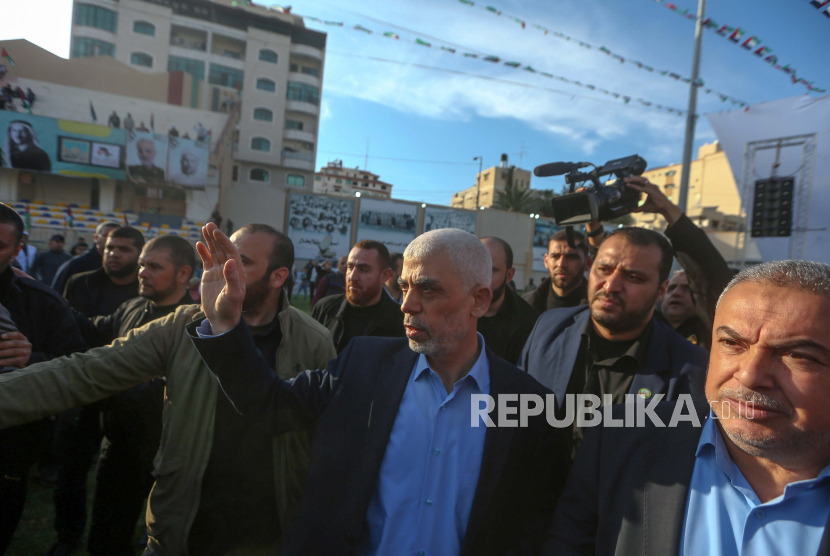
389 222
187 163
542 230
436 218
147 157
42 144
320 227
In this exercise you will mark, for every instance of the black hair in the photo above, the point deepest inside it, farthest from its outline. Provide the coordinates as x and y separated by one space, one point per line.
129 232
394 258
9 216
180 250
282 255
383 253
579 240
644 237
508 251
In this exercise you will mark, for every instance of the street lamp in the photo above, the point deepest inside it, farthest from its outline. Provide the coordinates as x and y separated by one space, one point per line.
478 180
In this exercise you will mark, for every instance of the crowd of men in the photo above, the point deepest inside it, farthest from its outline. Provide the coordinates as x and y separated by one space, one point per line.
254 428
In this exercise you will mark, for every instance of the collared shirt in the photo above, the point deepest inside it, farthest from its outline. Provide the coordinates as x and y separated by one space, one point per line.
724 516
430 469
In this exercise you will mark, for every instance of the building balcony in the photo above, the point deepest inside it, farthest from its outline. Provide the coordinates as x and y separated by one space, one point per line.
304 78
300 106
309 51
298 159
299 135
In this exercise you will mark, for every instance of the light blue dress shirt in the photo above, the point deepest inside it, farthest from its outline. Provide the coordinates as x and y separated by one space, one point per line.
724 516
430 468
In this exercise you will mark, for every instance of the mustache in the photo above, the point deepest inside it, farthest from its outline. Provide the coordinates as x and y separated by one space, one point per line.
610 296
751 396
409 320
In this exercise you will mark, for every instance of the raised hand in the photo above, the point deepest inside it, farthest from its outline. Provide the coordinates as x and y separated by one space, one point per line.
223 282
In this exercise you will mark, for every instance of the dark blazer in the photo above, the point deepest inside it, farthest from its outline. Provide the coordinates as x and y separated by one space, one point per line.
673 365
84 290
627 490
331 312
352 406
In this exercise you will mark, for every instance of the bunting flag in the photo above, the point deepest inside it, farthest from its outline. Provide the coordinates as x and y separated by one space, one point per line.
126 222
605 50
516 65
753 43
70 216
92 112
8 58
27 216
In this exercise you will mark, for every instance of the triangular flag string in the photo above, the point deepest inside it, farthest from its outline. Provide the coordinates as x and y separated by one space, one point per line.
604 49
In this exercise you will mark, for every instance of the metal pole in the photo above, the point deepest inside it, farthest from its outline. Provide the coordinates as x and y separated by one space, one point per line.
691 115
478 180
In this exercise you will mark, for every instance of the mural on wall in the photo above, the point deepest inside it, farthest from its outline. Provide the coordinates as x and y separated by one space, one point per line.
542 230
63 147
320 227
436 218
389 222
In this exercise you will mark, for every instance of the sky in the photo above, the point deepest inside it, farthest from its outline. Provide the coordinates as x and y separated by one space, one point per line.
423 127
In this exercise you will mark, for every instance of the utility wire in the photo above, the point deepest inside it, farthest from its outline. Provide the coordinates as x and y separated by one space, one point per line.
399 159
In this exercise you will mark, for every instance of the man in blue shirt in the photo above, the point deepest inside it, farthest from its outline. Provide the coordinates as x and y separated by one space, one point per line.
747 474
398 465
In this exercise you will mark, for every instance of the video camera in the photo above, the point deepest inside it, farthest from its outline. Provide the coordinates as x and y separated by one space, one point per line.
600 202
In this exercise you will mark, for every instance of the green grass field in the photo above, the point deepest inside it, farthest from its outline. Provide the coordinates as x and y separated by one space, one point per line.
36 534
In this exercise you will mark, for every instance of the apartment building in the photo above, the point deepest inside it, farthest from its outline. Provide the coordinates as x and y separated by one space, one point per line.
334 179
488 183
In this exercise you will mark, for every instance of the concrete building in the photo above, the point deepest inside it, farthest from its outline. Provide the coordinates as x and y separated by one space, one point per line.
713 202
488 183
259 64
334 179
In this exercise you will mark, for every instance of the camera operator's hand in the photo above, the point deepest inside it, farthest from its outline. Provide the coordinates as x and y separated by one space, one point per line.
656 201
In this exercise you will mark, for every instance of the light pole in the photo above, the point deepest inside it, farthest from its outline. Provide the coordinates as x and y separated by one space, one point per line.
478 180
691 117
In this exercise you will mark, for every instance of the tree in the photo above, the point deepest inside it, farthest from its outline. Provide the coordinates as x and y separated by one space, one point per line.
516 199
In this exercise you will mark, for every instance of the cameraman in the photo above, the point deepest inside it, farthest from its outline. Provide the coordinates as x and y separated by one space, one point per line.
690 299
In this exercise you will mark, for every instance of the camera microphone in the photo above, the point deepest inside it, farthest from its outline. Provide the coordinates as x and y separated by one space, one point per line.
558 168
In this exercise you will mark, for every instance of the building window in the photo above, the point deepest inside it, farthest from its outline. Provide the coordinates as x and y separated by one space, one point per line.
293 124
84 46
88 15
311 71
303 93
193 67
264 115
268 56
293 67
338 180
141 59
260 144
258 174
144 28
266 85
383 187
235 176
225 76
295 180
317 178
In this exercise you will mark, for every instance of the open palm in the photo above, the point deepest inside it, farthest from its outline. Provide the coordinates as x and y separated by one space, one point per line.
223 281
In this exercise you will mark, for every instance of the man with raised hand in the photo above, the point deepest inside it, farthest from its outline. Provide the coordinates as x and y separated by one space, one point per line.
222 487
399 466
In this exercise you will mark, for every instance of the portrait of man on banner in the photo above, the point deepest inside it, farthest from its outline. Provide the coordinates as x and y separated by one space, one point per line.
22 148
187 163
146 157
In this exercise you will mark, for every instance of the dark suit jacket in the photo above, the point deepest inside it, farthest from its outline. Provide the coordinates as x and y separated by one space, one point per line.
627 490
352 406
673 365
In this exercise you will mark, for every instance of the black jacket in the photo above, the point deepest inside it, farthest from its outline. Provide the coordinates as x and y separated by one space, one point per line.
538 298
84 292
46 265
627 490
91 260
352 407
46 320
506 332
331 313
673 366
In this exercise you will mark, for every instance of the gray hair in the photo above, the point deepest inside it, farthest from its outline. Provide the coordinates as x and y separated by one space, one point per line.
802 275
469 257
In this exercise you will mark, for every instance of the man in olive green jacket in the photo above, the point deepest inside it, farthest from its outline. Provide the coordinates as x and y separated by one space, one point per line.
163 347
